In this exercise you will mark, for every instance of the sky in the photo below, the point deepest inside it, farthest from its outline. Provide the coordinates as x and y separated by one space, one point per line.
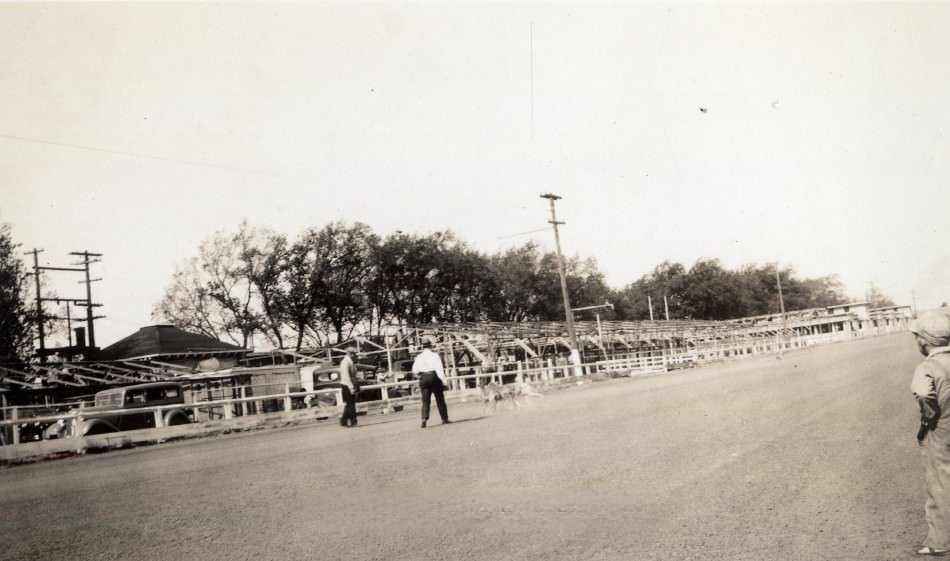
812 135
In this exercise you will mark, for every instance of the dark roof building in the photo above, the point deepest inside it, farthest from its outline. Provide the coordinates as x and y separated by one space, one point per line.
169 344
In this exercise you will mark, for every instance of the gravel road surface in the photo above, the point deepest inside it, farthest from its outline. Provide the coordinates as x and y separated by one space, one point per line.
807 456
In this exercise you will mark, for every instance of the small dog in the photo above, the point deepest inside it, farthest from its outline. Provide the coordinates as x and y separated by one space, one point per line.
493 393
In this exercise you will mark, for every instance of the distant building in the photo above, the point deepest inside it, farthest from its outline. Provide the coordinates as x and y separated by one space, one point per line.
855 318
169 345
889 318
860 310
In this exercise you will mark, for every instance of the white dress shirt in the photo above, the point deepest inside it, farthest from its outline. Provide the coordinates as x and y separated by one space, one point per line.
428 361
348 372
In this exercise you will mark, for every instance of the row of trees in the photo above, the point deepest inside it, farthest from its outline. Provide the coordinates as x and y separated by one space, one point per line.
343 278
332 281
707 290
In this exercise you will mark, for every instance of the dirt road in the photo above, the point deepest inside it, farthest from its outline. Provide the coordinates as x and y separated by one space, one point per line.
808 456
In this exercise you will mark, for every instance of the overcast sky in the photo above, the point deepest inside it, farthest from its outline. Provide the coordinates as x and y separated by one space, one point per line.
138 130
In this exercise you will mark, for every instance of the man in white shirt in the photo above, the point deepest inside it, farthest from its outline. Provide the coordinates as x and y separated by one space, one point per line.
350 385
428 369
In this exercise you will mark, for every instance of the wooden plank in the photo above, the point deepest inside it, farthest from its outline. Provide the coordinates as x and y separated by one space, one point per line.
526 348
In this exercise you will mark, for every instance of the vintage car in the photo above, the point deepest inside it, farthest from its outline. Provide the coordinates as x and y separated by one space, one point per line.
134 397
327 376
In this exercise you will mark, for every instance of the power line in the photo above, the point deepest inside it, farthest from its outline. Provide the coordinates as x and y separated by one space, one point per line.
148 156
199 163
522 233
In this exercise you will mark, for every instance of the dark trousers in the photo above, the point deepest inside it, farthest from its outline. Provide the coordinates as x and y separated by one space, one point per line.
430 384
349 409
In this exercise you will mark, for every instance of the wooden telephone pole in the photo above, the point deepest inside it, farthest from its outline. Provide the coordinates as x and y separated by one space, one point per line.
568 315
41 316
86 261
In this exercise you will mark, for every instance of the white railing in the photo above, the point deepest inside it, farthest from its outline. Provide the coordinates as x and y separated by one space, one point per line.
654 363
70 425
27 424
74 422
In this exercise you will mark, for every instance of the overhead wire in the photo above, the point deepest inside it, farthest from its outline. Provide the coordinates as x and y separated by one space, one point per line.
199 163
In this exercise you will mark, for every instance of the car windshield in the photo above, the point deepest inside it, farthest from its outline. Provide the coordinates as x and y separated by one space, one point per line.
109 399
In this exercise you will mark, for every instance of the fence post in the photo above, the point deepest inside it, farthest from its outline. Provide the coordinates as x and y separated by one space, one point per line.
14 416
243 403
75 426
288 406
158 418
520 376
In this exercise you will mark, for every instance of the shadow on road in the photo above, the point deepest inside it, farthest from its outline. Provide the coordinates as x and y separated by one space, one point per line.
459 421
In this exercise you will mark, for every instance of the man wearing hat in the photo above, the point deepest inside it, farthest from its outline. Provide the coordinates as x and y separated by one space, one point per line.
428 368
931 387
350 385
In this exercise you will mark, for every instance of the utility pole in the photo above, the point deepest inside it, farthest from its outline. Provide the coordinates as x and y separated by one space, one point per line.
87 302
666 307
560 269
41 330
69 326
781 300
872 295
650 305
88 282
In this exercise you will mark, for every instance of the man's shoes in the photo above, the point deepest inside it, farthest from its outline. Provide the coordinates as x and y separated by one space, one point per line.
423 424
931 551
446 421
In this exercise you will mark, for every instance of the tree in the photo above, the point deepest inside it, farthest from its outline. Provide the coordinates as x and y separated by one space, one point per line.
344 251
758 289
464 285
411 277
527 284
878 299
16 333
667 279
301 299
710 292
187 303
585 284
383 287
326 278
520 283
427 280
263 255
212 293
